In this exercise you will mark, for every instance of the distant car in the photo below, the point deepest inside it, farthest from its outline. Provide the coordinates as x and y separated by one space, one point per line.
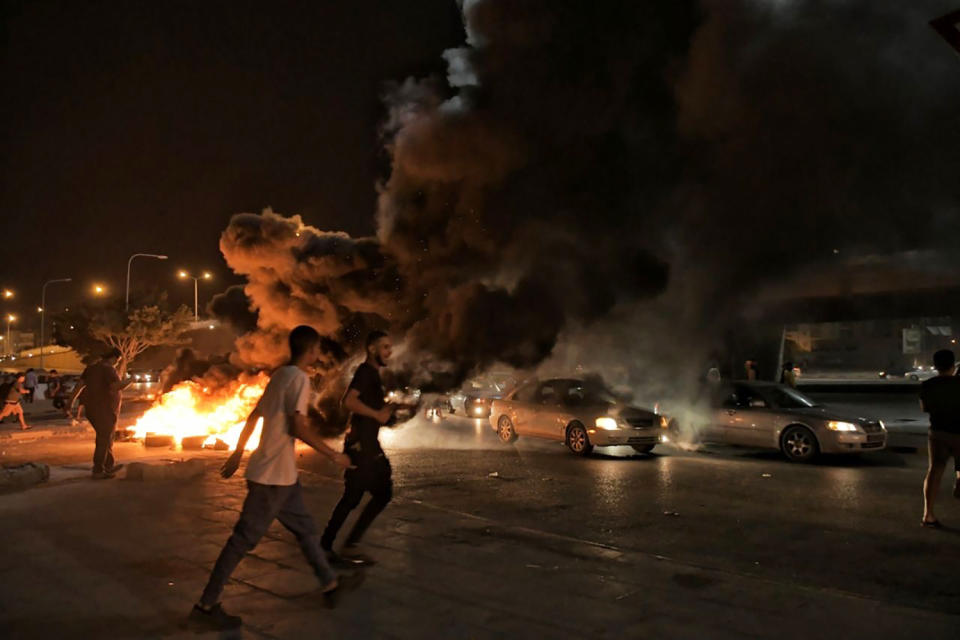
477 395
576 412
916 374
774 416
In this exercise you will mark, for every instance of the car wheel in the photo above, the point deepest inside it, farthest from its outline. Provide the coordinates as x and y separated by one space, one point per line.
642 448
577 440
914 377
505 430
799 444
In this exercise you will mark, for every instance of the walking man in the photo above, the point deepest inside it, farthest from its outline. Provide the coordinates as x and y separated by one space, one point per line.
99 392
273 486
940 397
365 400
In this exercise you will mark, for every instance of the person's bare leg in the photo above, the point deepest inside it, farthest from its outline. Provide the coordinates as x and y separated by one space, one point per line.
930 486
23 423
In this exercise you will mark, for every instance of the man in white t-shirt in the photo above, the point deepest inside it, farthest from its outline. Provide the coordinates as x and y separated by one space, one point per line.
273 486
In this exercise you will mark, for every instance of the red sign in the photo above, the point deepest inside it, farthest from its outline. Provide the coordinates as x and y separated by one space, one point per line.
949 27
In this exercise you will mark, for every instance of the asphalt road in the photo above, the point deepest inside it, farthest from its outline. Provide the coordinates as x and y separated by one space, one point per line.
850 524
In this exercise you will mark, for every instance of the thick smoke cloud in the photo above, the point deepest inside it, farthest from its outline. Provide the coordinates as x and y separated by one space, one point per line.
622 172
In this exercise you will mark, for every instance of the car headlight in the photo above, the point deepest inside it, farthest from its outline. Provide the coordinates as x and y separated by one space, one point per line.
882 426
835 425
608 424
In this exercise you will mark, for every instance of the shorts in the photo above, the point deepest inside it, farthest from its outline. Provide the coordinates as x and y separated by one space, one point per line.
942 445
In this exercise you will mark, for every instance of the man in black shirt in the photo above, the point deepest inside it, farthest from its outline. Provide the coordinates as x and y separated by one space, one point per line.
99 392
365 399
940 397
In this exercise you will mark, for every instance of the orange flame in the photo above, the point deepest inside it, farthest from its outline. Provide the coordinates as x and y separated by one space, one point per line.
190 409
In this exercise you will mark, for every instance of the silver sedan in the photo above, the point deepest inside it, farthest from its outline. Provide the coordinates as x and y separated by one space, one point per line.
576 412
774 416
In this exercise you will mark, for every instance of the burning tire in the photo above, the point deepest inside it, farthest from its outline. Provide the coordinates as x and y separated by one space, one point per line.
505 430
578 441
799 444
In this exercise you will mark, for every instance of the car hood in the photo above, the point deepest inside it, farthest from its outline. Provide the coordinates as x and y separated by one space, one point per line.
826 413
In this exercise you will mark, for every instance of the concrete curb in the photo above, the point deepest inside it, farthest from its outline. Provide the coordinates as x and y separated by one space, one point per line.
43 434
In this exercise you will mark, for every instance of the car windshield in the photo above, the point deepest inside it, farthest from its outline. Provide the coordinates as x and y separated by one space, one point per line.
578 394
787 398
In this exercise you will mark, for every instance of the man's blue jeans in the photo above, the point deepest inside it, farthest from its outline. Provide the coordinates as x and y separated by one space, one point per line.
264 504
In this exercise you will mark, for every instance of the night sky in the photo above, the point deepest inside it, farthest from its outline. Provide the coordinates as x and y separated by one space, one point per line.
142 127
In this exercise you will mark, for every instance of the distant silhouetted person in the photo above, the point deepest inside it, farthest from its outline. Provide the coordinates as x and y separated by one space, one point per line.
788 376
750 370
30 384
940 397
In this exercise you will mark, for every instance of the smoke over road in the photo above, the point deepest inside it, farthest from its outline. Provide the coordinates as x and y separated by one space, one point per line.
611 182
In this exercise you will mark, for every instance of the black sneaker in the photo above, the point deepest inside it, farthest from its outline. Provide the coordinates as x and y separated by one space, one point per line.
213 619
357 557
339 561
115 468
102 475
345 582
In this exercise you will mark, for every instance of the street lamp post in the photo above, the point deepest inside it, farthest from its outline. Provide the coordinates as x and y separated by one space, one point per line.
196 280
10 318
137 255
43 312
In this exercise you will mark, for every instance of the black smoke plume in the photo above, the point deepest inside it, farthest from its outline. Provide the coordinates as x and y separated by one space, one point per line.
622 174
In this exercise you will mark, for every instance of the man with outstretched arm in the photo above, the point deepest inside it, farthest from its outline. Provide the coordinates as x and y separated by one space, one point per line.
372 473
273 486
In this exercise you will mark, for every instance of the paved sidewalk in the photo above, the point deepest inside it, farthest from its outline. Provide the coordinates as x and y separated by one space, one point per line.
126 559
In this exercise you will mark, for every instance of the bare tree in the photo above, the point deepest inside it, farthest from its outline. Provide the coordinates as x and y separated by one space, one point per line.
144 327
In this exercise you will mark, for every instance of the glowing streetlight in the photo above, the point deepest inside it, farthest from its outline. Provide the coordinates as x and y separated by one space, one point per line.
98 289
137 255
7 294
206 275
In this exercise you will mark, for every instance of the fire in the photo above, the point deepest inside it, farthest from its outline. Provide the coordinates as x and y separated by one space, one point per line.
190 409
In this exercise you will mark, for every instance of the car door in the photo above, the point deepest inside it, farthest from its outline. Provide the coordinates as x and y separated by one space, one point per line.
523 407
722 401
548 410
748 420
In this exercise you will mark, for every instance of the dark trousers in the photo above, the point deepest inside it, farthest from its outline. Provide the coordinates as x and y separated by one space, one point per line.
372 474
104 423
264 504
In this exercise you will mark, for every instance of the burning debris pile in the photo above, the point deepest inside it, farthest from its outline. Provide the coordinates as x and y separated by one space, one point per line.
212 414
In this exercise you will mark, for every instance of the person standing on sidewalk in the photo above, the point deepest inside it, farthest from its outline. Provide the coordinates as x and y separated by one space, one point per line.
365 399
940 397
30 384
273 486
99 392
